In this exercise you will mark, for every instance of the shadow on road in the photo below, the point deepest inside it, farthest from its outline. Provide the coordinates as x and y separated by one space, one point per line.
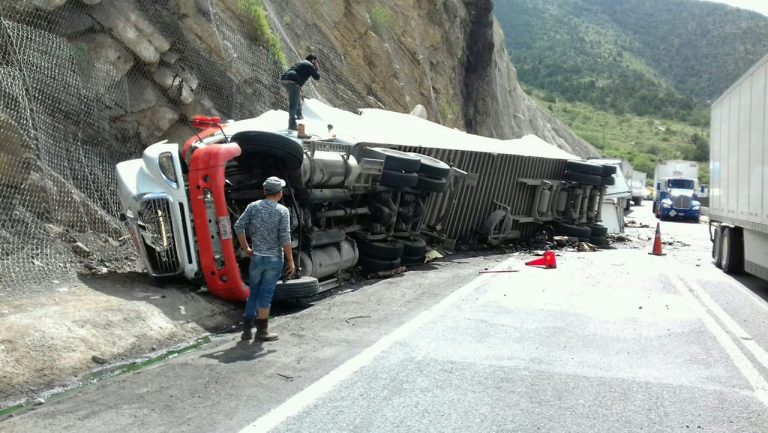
755 285
242 351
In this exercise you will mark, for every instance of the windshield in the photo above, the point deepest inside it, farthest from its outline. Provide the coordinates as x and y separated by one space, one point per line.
680 183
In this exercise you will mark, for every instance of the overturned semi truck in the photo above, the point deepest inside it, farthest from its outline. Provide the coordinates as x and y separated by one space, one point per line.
367 190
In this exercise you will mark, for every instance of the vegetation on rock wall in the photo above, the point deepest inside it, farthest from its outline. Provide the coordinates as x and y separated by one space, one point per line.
258 15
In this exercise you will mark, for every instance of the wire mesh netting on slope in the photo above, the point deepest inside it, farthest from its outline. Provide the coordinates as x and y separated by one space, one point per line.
85 84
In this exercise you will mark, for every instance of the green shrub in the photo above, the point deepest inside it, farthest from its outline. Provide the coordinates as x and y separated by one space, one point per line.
258 15
380 17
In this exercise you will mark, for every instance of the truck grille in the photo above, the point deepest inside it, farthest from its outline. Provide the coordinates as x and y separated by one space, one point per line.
156 228
681 202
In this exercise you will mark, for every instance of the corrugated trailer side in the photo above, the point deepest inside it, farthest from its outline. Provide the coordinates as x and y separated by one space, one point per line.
463 213
738 163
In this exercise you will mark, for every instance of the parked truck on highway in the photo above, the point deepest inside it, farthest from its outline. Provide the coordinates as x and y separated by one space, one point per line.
738 161
676 184
638 187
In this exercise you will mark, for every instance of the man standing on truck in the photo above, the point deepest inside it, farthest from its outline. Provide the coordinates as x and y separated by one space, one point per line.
293 79
268 225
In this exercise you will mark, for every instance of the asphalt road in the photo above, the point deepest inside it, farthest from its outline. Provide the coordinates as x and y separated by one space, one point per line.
612 341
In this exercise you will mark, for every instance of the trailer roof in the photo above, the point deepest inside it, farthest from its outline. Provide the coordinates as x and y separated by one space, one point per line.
387 128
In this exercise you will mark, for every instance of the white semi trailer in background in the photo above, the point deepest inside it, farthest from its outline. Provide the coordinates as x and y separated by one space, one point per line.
639 191
738 162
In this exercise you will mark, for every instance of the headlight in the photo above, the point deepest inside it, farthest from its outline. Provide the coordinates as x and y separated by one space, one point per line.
696 207
165 161
666 203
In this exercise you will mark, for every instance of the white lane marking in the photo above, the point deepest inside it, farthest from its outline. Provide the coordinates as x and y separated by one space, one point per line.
309 395
755 379
727 320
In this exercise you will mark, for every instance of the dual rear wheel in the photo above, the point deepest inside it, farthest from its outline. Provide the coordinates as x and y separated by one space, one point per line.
728 249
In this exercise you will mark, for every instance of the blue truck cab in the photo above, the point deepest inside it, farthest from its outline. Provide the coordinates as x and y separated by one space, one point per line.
676 198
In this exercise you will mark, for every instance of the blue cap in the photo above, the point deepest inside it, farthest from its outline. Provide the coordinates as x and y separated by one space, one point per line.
273 185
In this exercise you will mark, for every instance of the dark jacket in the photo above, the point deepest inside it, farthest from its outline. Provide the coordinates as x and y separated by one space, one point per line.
300 73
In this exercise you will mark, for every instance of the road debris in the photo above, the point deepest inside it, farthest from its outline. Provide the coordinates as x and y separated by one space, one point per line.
356 317
98 359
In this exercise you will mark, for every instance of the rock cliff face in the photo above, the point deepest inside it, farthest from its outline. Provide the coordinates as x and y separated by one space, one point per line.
85 84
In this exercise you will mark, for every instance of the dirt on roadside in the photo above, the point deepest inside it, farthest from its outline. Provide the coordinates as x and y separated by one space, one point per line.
48 341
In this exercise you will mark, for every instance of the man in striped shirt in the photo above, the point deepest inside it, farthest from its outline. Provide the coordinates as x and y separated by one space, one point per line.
268 224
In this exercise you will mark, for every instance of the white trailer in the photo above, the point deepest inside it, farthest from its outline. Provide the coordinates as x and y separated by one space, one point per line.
639 191
738 162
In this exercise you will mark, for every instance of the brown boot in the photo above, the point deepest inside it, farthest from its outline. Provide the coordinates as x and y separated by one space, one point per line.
262 333
247 325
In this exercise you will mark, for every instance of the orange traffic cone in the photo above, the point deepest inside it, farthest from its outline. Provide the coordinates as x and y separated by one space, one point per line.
547 260
657 242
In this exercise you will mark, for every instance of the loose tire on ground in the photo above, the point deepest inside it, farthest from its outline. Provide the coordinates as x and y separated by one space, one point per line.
304 287
394 159
584 179
584 167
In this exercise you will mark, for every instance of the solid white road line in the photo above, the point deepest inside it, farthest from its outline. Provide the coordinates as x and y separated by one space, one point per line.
309 395
760 354
747 369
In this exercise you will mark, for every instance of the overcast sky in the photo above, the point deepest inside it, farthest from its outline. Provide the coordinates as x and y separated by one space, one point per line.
755 5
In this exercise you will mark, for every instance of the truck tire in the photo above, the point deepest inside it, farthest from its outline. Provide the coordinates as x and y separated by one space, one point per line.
413 248
584 179
432 167
394 159
398 179
638 201
282 153
598 241
431 184
380 250
304 287
598 230
732 251
571 230
412 261
584 167
371 264
609 170
717 247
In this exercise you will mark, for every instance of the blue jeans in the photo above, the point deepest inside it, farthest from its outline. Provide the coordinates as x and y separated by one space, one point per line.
294 103
264 272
